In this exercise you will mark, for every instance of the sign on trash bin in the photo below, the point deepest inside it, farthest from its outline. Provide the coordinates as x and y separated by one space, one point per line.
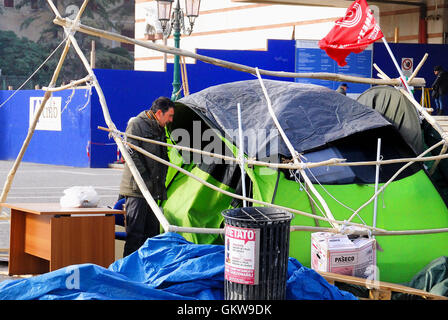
242 253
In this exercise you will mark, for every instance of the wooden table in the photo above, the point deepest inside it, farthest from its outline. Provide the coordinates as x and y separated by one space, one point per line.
45 237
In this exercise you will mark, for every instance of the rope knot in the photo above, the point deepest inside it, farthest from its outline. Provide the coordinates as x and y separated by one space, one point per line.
445 137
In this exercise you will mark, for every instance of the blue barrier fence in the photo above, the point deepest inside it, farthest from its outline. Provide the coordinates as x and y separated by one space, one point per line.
61 135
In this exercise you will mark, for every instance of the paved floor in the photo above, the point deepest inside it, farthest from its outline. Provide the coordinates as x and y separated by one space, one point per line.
46 183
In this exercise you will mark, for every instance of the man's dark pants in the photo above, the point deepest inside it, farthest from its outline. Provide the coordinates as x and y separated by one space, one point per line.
141 224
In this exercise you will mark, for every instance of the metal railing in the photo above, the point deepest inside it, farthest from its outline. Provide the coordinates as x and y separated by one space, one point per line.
8 82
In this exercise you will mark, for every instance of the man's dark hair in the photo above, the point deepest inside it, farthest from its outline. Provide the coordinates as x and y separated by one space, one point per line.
438 68
162 103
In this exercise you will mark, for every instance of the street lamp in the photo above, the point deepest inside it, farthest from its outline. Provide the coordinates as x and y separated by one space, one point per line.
177 24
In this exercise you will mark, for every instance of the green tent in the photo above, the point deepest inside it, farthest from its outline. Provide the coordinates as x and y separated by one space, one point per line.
320 124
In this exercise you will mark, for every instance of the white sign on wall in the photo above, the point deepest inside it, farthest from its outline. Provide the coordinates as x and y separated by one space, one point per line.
50 118
407 66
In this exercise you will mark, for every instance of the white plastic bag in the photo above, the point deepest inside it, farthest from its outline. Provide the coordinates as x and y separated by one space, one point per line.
79 197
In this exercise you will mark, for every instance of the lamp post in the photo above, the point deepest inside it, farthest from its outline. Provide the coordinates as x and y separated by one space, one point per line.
177 25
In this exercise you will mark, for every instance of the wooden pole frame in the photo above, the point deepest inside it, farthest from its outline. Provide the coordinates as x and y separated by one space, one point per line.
291 166
138 179
417 82
47 96
71 26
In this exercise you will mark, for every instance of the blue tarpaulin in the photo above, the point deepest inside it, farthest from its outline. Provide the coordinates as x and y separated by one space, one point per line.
166 267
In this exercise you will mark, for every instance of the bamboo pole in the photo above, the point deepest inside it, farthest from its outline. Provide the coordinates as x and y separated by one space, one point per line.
68 86
138 179
426 115
110 124
396 34
424 112
368 233
294 153
320 229
241 154
436 163
331 161
418 82
419 66
288 166
93 55
237 196
383 75
47 96
434 124
365 230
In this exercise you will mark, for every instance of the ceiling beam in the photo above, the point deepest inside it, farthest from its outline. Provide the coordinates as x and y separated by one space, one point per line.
334 3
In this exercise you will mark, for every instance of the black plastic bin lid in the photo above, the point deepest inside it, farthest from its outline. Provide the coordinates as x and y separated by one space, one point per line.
257 214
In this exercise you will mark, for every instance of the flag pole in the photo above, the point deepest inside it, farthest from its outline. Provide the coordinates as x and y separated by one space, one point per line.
403 79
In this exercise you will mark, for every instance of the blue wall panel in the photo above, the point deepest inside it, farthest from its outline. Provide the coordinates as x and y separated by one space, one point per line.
65 147
129 92
437 54
310 58
280 56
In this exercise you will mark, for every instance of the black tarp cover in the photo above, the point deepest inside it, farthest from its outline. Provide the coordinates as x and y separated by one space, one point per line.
310 115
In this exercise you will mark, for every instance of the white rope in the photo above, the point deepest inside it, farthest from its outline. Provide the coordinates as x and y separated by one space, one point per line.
68 86
32 75
69 99
73 85
392 179
237 196
293 152
88 95
346 226
302 187
334 198
326 191
288 166
72 27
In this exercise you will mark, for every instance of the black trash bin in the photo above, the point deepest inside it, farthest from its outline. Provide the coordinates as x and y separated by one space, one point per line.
256 253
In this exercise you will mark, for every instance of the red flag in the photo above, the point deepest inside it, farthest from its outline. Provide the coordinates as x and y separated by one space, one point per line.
352 33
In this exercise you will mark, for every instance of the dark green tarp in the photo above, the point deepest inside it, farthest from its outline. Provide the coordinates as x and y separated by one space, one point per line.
397 109
433 278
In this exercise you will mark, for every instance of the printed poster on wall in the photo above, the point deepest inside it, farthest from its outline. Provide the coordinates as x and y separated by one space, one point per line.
242 248
312 59
50 118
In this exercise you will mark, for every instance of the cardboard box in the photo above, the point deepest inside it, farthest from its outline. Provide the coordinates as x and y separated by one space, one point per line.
339 254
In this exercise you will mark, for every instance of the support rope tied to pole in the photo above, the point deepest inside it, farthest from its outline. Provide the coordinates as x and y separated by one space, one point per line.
135 173
68 86
392 179
347 226
420 82
237 196
294 153
47 96
122 147
288 165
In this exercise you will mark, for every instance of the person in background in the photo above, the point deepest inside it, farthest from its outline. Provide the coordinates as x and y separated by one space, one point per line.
440 91
141 223
342 89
